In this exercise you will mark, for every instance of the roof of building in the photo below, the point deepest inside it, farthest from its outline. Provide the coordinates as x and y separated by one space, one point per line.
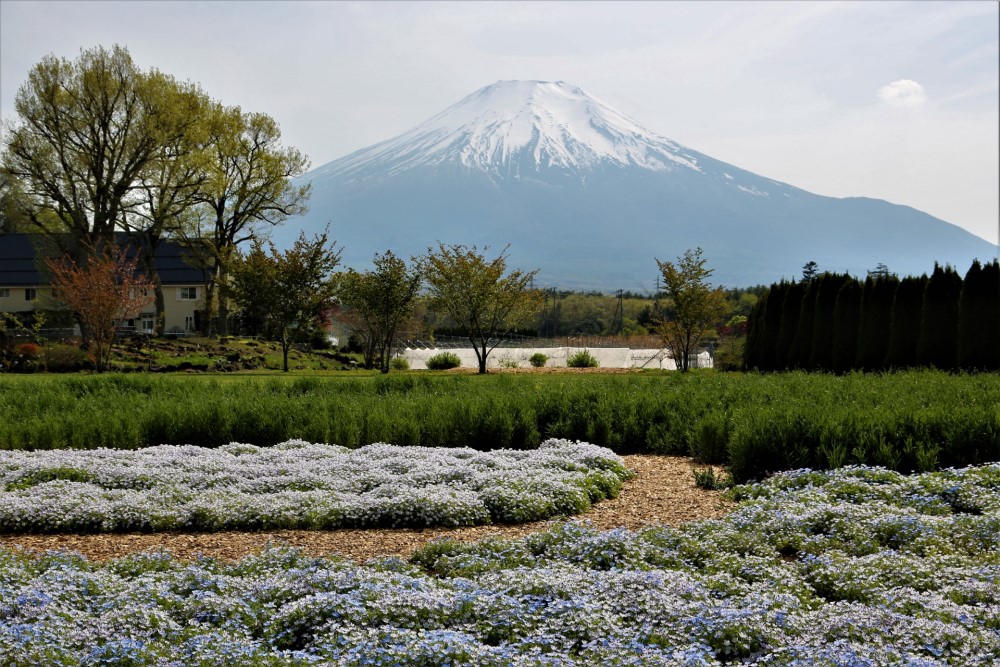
22 255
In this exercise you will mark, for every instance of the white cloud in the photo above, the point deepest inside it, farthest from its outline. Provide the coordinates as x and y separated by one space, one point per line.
903 93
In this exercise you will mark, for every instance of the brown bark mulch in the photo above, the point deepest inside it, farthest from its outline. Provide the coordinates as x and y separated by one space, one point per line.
662 492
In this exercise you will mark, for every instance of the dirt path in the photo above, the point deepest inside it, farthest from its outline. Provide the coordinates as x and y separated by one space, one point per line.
663 492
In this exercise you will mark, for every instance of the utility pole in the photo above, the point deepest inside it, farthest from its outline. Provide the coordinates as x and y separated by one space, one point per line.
617 321
555 312
656 297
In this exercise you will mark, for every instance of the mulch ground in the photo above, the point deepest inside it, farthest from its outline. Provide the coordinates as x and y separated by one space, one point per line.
663 492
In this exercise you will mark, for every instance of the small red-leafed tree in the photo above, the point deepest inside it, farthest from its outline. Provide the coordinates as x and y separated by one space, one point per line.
103 292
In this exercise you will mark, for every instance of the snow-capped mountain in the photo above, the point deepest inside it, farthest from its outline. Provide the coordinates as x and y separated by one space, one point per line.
515 129
590 197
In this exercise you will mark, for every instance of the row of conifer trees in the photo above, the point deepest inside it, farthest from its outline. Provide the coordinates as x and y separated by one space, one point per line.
835 322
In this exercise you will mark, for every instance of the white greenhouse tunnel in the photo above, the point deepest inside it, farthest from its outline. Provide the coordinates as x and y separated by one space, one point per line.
607 357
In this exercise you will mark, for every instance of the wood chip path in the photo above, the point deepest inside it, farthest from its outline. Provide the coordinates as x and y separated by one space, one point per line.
663 492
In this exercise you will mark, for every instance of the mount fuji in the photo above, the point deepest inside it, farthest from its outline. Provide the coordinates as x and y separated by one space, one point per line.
589 197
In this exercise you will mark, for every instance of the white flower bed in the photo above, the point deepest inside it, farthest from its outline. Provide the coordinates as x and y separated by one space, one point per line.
298 485
857 567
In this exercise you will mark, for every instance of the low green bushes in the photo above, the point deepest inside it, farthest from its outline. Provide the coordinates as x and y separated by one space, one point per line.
65 358
753 424
582 359
443 361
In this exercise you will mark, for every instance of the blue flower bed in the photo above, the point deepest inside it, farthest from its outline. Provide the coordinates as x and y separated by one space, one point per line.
858 566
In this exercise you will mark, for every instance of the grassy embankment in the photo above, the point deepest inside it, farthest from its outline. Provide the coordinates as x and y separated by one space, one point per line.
193 354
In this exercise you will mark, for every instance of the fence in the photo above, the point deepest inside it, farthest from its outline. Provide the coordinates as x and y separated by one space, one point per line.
52 334
421 341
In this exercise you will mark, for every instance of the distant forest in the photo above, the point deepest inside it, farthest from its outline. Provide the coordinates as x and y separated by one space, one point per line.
625 314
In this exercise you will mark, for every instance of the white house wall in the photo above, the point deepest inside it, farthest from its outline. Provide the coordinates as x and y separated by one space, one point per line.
179 311
12 299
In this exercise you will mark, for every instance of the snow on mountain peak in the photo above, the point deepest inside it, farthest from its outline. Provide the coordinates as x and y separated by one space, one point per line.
512 129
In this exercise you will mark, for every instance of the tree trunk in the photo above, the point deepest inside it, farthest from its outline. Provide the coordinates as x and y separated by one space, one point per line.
147 243
160 324
206 325
371 350
223 326
98 356
85 337
387 350
482 359
222 321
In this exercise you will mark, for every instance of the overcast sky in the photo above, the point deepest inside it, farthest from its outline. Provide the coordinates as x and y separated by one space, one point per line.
893 100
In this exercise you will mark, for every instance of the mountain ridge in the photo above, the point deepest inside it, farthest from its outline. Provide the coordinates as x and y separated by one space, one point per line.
581 192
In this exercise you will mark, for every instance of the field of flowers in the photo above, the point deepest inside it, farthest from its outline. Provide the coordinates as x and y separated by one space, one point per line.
857 566
297 484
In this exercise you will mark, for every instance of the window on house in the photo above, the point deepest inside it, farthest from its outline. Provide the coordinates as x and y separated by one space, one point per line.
189 293
30 294
189 322
147 323
4 292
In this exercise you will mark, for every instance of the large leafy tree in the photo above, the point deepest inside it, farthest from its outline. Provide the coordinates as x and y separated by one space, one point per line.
84 132
15 206
287 292
478 294
168 190
380 300
695 305
247 189
102 291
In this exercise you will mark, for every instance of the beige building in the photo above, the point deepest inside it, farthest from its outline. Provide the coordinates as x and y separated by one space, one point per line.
23 287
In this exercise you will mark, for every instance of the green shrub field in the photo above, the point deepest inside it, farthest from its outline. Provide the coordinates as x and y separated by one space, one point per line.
757 424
